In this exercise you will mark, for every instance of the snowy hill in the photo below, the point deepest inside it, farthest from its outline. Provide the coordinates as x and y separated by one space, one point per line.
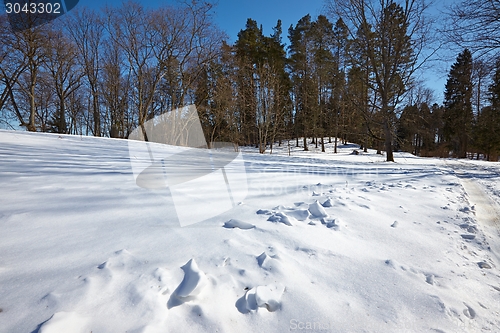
322 242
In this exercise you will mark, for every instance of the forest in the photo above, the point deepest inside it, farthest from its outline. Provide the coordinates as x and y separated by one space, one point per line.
351 74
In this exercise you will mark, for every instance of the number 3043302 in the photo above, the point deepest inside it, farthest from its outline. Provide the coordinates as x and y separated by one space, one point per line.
32 8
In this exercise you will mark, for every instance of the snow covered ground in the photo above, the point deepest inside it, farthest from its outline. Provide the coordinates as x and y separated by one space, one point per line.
322 242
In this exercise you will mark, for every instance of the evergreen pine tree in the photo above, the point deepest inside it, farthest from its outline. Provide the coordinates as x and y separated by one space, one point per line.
301 66
458 116
487 131
263 84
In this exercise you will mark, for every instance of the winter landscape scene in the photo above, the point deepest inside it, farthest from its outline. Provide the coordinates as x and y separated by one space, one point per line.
190 166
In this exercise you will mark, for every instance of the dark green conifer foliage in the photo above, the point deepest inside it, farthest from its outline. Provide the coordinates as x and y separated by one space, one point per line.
458 117
487 131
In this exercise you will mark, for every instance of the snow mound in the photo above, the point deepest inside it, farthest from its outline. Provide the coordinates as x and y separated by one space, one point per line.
327 203
263 296
67 322
283 218
317 210
234 223
193 282
299 214
267 262
331 223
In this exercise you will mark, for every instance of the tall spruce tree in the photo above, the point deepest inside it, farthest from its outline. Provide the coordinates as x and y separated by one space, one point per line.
301 65
487 131
324 73
262 82
458 116
248 52
494 91
341 49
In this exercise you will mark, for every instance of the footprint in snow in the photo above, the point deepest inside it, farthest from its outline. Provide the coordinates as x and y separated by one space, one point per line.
429 278
484 265
468 236
465 209
120 261
470 228
469 312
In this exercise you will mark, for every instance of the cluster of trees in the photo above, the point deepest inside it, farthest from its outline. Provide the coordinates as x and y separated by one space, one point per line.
468 122
343 79
352 77
466 125
104 73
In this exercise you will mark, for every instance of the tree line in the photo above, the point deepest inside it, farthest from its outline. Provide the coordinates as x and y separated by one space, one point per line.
467 123
347 75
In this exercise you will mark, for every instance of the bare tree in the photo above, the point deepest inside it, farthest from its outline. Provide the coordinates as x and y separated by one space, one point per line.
130 27
396 33
23 60
475 24
11 67
167 48
115 87
46 102
481 75
65 75
86 30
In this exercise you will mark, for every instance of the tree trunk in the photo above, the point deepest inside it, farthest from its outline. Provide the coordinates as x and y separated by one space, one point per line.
97 115
366 140
62 117
388 142
31 124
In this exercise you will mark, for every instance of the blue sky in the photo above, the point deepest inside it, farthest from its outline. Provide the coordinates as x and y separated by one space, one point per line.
231 16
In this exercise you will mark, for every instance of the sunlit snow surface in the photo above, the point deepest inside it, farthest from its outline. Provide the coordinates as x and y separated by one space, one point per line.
322 242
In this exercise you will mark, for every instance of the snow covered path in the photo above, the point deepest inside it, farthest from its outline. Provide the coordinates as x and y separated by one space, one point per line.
487 212
323 242
486 206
